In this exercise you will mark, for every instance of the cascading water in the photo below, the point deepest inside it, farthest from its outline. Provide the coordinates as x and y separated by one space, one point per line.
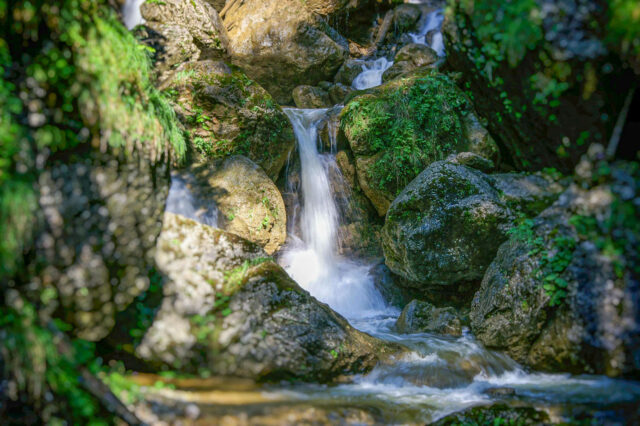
182 201
371 75
131 13
432 25
311 257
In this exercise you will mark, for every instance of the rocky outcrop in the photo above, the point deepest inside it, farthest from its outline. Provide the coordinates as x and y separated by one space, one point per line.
229 309
282 44
410 58
447 224
398 129
248 202
181 31
549 86
226 113
419 317
562 293
349 70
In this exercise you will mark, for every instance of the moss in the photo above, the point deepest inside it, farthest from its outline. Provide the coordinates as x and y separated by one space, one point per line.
409 124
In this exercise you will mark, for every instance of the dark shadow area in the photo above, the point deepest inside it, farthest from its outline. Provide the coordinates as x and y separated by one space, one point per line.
629 148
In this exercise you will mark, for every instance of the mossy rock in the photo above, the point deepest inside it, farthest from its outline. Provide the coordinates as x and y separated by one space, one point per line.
230 310
496 414
226 113
545 298
398 129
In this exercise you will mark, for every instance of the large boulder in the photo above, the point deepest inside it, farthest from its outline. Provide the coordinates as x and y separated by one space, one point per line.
226 113
541 73
230 310
248 203
282 44
562 293
181 31
398 129
446 226
311 97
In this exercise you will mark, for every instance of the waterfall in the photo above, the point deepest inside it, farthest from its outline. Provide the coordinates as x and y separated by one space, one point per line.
182 201
131 13
311 258
433 22
371 75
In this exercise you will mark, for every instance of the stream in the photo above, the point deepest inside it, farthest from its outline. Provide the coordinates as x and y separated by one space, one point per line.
440 374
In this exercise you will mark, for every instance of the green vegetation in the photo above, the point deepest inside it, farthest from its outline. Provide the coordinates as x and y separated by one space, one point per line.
408 124
554 252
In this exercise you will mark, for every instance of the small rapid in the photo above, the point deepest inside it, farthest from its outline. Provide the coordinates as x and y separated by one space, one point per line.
131 15
430 33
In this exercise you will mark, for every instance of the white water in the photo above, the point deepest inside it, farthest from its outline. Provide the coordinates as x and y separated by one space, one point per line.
182 201
311 258
371 75
433 22
131 13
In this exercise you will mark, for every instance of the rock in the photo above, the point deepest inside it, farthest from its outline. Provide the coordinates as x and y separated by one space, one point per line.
418 317
555 298
281 45
102 215
405 18
500 392
474 161
386 283
232 311
226 113
409 58
423 115
183 30
310 97
496 414
218 5
532 84
349 70
249 203
446 226
338 92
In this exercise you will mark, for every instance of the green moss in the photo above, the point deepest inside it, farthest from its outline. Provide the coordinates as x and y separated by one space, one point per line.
408 124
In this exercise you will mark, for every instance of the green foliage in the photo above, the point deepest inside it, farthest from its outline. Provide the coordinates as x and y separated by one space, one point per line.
408 125
507 29
623 29
555 253
90 80
233 279
35 364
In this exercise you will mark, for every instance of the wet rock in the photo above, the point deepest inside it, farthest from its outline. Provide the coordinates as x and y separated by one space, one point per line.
497 414
536 128
418 317
385 282
281 45
409 58
500 392
474 161
405 18
338 92
226 113
230 310
183 30
249 203
379 124
309 97
555 298
446 226
349 70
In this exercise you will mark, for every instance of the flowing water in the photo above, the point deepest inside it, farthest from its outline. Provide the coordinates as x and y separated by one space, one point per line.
440 374
131 13
183 201
431 28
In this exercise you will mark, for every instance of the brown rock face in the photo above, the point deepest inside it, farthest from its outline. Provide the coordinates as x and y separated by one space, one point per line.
281 45
248 202
183 30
